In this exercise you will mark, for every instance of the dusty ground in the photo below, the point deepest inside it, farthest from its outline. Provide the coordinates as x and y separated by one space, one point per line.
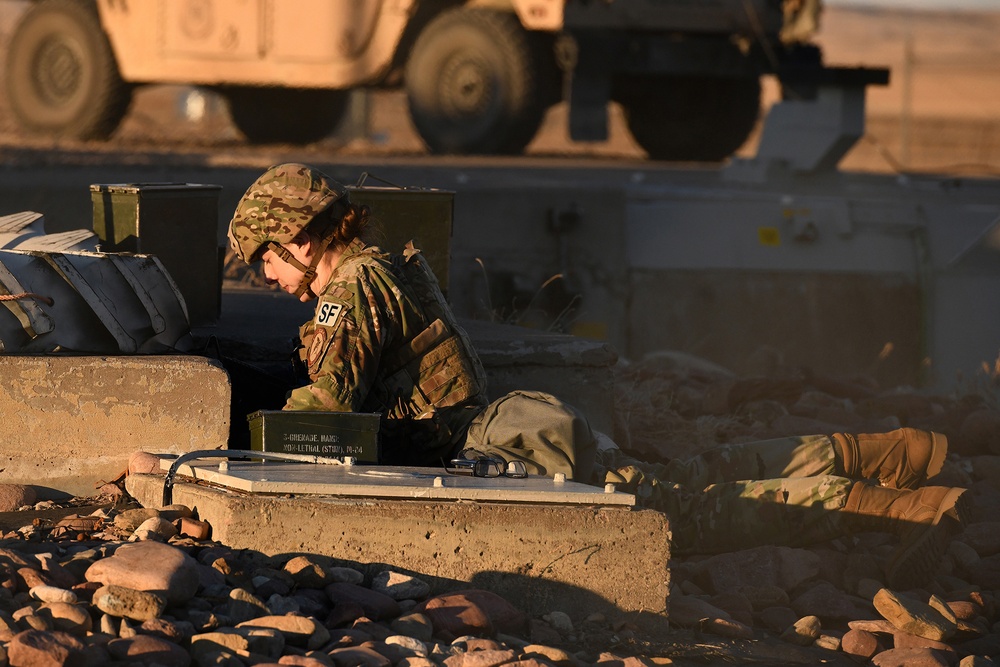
939 113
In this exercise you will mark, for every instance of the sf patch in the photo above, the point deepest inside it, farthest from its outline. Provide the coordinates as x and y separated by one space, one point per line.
328 313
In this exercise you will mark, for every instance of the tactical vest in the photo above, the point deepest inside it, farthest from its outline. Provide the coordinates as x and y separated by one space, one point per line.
430 386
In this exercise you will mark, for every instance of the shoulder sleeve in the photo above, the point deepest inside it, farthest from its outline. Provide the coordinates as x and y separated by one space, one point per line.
345 349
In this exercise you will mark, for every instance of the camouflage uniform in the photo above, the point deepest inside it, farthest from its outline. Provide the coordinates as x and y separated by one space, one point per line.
384 340
782 491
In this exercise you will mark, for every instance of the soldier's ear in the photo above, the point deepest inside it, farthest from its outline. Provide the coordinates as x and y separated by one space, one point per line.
303 241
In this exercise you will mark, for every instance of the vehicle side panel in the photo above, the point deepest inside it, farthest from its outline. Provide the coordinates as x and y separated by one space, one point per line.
308 43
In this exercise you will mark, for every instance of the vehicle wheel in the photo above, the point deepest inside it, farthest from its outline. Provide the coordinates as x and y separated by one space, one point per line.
475 83
62 78
286 115
703 119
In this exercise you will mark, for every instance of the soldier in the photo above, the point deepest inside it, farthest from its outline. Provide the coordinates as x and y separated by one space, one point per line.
384 340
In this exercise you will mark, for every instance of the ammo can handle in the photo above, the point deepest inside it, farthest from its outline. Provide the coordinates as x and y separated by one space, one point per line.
168 483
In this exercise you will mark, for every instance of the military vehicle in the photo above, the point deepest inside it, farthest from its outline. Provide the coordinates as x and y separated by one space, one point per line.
479 75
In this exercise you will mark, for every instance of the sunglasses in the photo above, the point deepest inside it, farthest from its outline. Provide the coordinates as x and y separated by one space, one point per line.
488 467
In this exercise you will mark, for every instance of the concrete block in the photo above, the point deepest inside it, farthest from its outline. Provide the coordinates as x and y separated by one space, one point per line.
575 559
67 423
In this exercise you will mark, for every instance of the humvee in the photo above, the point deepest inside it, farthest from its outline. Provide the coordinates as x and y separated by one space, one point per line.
479 75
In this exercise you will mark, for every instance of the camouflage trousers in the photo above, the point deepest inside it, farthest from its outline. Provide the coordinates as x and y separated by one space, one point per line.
783 491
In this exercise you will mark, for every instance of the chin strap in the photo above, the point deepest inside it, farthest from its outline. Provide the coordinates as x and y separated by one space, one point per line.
308 272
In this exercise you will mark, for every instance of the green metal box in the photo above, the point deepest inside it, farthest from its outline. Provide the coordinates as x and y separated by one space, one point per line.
177 222
332 434
421 215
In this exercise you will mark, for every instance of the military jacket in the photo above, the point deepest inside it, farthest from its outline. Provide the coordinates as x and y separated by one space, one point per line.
384 340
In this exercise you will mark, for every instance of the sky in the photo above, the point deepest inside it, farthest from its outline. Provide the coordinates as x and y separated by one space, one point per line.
921 4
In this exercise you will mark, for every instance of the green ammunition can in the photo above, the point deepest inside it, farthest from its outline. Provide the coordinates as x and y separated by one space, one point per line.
331 434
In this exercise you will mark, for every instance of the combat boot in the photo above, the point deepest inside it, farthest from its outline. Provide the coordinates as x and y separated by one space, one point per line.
900 459
925 520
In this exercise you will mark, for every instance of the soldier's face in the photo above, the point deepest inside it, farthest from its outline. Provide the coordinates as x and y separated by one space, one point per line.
277 271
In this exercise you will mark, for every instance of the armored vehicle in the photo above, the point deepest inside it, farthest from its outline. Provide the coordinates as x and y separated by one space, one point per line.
479 75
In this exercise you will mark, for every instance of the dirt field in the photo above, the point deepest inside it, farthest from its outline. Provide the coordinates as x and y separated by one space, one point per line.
940 113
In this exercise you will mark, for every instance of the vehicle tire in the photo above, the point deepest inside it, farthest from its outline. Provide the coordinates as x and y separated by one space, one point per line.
61 76
702 119
475 81
285 115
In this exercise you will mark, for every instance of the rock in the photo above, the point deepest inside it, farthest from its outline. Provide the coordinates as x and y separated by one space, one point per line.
400 586
456 614
985 573
980 432
16 496
414 625
783 567
409 645
207 643
727 628
297 630
178 632
306 573
315 661
964 555
913 616
560 621
193 528
32 578
36 648
803 632
155 528
71 618
830 603
346 575
910 657
481 658
736 605
906 640
688 611
149 566
128 603
764 596
503 616
376 605
53 594
983 537
144 463
540 632
358 656
861 643
148 650
244 606
549 653
775 619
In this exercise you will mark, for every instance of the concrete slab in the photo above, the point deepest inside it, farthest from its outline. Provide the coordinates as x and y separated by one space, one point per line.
571 558
67 423
404 482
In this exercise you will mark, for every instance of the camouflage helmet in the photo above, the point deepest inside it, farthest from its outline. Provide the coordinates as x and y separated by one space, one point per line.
280 204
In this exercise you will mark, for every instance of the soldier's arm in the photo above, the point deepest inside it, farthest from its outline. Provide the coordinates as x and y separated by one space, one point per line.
344 353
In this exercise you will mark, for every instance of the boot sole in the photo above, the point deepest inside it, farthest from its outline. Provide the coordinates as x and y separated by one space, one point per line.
916 563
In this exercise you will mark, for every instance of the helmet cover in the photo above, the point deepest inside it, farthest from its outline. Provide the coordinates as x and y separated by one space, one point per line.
279 205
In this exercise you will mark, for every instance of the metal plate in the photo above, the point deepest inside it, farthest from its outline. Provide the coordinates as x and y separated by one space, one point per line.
398 482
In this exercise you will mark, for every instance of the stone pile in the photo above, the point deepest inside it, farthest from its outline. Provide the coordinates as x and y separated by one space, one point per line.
831 595
143 587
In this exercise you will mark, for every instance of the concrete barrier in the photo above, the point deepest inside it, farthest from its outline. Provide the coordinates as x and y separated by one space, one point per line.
575 559
68 423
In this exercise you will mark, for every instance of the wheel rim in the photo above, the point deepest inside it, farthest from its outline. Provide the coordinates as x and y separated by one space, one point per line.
468 87
57 71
